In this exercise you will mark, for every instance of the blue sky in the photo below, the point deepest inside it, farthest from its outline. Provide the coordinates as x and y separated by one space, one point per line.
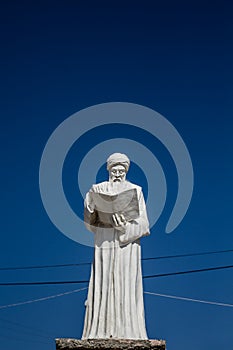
60 57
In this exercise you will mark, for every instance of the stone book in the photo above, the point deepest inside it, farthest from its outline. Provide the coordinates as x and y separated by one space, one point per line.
125 203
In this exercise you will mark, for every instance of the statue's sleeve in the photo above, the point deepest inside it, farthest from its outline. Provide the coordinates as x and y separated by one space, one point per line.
90 214
139 227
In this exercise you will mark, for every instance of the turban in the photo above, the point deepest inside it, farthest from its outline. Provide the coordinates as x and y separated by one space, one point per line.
118 158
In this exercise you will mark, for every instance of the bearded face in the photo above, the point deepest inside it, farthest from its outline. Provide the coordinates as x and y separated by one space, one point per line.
117 173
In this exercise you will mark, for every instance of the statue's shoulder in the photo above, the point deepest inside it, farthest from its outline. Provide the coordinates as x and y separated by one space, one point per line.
100 187
131 185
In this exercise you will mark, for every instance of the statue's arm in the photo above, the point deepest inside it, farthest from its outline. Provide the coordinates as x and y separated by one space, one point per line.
90 214
143 219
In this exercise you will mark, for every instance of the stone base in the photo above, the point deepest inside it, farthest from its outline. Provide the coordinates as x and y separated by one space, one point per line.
105 344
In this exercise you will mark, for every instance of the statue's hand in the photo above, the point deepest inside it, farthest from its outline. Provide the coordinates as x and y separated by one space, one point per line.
119 222
90 204
91 207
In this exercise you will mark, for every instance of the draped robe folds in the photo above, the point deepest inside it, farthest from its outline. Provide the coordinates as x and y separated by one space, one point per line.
114 306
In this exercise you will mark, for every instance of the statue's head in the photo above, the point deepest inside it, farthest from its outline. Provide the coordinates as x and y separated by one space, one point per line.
118 166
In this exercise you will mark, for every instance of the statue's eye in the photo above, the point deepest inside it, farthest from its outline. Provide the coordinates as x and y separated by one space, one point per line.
121 172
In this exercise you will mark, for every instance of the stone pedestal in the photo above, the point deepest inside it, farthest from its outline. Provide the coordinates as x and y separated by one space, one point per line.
105 344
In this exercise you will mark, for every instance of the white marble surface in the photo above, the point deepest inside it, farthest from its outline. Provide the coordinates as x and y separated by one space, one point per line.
114 306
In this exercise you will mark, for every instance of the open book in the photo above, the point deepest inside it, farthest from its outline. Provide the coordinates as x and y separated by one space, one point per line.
125 203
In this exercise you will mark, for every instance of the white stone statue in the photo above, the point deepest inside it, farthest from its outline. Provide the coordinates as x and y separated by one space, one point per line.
114 306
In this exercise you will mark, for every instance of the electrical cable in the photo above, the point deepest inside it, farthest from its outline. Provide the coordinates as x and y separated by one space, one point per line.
41 299
149 293
190 299
89 263
190 271
145 277
29 329
24 340
188 255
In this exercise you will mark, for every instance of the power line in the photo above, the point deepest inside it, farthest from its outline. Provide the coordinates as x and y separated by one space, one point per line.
145 277
89 263
150 293
41 299
25 340
190 271
43 266
190 299
28 329
23 332
189 254
40 283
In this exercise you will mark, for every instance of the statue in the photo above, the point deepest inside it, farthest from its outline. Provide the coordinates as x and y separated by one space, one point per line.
114 306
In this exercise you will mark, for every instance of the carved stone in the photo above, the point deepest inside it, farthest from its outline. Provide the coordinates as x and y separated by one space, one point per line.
105 344
114 305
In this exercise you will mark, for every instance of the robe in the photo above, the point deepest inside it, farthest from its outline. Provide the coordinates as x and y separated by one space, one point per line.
114 305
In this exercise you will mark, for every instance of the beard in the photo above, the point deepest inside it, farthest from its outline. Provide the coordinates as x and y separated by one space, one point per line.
117 180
